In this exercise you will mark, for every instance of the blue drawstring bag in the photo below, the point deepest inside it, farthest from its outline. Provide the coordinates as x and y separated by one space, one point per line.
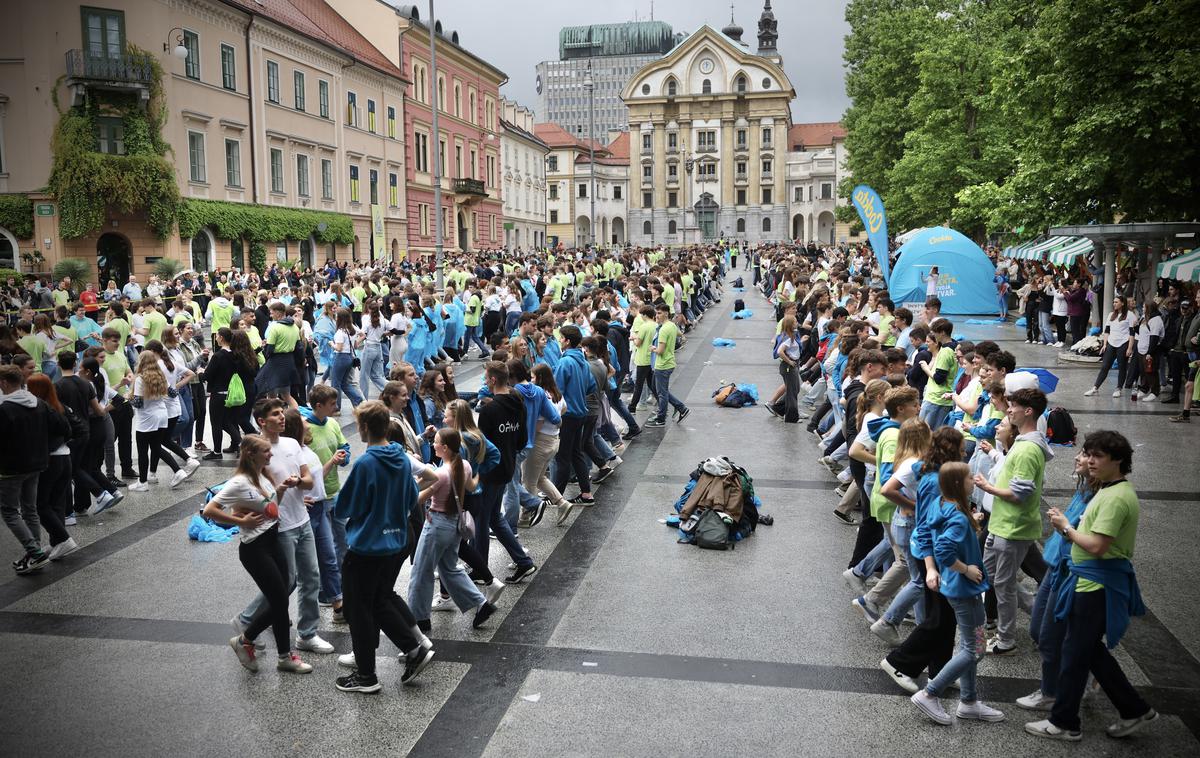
1020 322
751 390
747 313
201 529
722 342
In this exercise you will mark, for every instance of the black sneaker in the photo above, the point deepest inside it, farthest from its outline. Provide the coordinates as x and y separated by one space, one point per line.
516 577
212 456
602 473
415 662
679 417
654 423
844 518
581 500
117 483
356 682
539 512
484 613
629 435
424 625
129 475
771 410
29 563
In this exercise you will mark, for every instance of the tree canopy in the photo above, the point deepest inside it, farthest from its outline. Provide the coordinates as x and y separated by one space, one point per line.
1004 115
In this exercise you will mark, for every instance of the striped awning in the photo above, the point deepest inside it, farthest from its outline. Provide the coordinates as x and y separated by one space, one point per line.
1037 252
1066 254
1018 252
1185 267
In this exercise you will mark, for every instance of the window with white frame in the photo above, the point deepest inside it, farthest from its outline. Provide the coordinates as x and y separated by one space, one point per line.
302 175
196 171
233 163
276 170
326 179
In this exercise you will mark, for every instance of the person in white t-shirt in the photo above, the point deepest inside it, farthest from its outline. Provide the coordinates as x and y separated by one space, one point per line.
149 400
251 495
1118 346
295 532
1149 334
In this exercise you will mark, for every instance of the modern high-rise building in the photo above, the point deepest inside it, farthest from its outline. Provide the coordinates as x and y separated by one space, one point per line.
614 53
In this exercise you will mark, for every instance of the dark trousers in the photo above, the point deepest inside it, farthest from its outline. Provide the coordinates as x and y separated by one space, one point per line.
931 644
1032 332
789 405
1060 327
870 531
53 497
171 444
231 421
87 481
371 606
1084 651
643 376
198 410
264 561
150 452
571 455
1177 362
815 420
122 418
1106 361
1078 327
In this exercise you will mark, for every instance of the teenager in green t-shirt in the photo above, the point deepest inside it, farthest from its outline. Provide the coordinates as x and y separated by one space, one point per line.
643 343
939 398
1101 545
1016 520
664 364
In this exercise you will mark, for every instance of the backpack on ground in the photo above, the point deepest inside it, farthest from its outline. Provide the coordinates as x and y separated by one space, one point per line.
738 283
1060 427
712 532
739 305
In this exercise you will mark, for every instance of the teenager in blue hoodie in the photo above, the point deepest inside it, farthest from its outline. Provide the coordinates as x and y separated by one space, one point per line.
375 500
575 382
961 579
537 406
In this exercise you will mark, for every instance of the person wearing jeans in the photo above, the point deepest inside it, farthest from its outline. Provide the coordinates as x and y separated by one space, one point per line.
575 381
665 344
1016 519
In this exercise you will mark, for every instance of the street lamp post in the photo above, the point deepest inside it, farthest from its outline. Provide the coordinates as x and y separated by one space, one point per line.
437 162
590 85
689 162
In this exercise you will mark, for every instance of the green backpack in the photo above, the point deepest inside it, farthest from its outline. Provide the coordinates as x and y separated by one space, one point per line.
237 393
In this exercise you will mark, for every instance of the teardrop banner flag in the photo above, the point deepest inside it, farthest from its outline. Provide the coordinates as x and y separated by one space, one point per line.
870 210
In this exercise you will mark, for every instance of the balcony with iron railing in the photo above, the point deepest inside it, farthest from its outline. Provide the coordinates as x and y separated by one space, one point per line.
469 187
119 73
741 178
705 147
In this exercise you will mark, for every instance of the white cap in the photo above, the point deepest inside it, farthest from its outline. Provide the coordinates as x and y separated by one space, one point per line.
1020 380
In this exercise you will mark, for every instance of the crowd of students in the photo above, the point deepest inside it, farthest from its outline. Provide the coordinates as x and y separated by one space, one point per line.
443 469
940 445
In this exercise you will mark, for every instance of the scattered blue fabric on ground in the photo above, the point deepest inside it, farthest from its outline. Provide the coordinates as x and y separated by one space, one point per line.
203 530
1095 330
743 314
1020 322
739 289
751 390
985 321
722 342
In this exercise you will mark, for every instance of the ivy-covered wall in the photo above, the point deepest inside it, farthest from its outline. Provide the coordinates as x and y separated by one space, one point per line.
87 183
16 215
263 223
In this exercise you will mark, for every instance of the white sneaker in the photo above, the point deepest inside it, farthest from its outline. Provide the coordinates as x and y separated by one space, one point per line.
886 632
63 549
191 465
292 663
1092 392
1148 398
616 461
152 479
139 487
1059 344
931 707
855 582
178 478
1124 727
1036 701
69 520
1045 729
314 644
346 660
494 590
443 604
978 710
237 627
906 682
103 503
1116 393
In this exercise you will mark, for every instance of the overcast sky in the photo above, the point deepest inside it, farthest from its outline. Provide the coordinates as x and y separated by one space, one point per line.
515 35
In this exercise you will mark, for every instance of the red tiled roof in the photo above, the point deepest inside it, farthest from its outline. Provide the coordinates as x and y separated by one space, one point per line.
619 148
316 20
820 134
555 136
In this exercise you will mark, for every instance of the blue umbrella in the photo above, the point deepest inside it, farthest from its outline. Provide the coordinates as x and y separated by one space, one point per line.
1046 381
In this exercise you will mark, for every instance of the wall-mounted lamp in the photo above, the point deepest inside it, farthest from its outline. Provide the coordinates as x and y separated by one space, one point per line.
180 51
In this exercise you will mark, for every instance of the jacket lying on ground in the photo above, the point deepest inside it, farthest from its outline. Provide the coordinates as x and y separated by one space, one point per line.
721 493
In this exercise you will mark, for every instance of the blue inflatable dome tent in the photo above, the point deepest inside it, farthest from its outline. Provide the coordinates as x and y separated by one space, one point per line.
966 277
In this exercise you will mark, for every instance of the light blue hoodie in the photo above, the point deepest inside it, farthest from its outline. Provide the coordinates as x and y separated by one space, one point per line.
575 382
537 405
375 500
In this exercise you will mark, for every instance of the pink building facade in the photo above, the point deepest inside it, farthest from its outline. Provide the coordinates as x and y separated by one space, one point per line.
466 90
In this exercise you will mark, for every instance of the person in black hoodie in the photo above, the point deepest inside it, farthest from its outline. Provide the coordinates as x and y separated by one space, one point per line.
502 421
26 428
